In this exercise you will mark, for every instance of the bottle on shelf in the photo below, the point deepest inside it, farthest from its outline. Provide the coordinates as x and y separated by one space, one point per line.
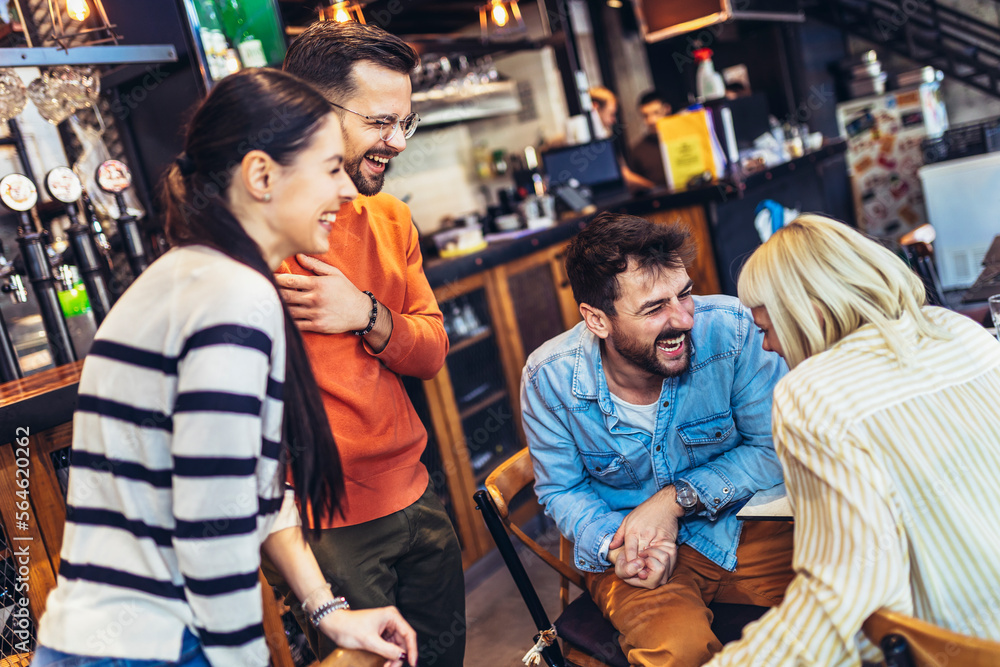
710 84
458 324
213 39
472 324
484 161
237 28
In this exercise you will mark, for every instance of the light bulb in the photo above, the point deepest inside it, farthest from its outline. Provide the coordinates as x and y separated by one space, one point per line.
341 16
500 16
78 10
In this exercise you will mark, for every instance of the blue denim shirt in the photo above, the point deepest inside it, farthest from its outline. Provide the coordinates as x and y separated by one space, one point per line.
713 430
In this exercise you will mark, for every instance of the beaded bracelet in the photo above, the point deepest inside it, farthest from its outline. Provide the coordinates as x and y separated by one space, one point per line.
306 602
328 607
371 317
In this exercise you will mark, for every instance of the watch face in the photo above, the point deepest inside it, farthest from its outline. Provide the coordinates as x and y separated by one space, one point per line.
18 193
686 496
63 185
113 176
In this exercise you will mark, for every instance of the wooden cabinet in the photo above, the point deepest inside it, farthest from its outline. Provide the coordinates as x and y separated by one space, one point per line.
472 407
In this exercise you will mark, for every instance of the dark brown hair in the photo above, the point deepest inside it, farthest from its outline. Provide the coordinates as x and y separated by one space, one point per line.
268 110
603 250
325 54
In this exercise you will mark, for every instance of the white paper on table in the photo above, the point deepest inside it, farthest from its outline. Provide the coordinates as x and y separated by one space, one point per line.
767 505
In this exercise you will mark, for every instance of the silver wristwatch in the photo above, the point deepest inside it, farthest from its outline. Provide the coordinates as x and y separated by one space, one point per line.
687 497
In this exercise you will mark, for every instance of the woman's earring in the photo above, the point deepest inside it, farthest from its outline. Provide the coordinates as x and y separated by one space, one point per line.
267 196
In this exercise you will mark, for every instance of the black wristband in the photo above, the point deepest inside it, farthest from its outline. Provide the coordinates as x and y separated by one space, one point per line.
371 318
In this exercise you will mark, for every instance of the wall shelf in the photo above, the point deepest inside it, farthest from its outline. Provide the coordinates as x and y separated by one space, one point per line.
437 107
469 341
484 403
51 56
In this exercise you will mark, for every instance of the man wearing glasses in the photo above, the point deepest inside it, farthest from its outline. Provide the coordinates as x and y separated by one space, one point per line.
368 316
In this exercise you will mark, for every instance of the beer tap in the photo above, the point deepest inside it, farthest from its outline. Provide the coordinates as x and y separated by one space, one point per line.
114 178
64 186
12 283
10 369
18 193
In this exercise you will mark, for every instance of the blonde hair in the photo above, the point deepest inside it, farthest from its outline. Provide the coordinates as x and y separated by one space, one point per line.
820 281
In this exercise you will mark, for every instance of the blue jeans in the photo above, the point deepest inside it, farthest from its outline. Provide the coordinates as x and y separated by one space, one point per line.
191 656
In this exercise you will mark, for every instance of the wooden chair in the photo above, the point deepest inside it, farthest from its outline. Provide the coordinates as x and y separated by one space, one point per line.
44 403
910 642
589 639
350 658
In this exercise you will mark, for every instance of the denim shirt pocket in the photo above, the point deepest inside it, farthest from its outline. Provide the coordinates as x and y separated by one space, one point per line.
708 437
611 469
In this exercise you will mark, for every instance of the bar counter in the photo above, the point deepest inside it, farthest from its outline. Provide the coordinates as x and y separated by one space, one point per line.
715 198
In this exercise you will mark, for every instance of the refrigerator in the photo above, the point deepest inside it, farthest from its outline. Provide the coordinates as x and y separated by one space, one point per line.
212 38
884 135
233 34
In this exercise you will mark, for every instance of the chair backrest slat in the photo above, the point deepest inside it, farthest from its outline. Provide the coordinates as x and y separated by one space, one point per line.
508 479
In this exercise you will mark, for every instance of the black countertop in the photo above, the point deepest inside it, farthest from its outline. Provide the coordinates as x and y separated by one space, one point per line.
442 271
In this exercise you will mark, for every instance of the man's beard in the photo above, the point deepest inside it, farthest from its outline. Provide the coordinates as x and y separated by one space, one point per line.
647 357
367 185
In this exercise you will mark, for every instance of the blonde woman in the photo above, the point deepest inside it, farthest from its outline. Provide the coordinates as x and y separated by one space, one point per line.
888 433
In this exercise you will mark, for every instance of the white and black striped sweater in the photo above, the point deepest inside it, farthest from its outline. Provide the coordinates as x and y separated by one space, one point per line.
174 477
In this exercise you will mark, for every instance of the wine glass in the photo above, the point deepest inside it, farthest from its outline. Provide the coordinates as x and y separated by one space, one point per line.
50 100
77 86
13 95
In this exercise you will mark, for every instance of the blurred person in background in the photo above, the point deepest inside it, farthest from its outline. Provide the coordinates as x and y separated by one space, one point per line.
647 157
606 107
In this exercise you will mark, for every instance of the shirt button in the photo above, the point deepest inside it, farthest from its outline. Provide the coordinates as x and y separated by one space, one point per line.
725 490
717 501
718 434
581 562
597 469
658 448
666 404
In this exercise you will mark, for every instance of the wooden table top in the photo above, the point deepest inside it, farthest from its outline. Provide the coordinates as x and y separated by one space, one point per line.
767 505
39 401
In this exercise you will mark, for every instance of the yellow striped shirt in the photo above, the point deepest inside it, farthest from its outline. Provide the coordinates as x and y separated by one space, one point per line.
892 473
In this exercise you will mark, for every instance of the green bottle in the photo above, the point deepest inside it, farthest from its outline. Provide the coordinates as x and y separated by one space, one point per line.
234 20
213 40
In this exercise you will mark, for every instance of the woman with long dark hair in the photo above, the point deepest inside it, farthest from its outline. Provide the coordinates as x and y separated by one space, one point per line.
197 400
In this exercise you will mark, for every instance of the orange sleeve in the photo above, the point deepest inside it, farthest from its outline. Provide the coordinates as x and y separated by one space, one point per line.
418 344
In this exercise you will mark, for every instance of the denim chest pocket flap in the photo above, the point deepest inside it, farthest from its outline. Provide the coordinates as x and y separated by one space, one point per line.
610 468
709 430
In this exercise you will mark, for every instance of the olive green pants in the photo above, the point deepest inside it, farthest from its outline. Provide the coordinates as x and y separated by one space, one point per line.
410 559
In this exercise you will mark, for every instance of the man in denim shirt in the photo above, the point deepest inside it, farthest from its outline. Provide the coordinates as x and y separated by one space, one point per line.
649 425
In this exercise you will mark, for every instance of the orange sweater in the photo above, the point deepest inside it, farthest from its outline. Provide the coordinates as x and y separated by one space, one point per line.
378 434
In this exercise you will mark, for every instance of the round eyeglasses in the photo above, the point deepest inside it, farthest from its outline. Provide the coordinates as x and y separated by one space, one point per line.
389 124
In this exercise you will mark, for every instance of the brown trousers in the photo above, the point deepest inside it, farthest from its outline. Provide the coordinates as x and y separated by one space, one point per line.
670 626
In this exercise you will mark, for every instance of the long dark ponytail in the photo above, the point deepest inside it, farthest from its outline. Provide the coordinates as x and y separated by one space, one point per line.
277 113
